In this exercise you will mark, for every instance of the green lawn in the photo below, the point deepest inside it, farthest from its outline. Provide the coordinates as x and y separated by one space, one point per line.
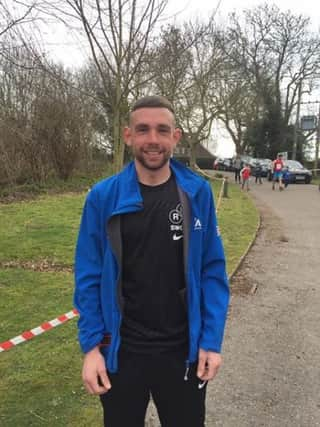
238 220
40 229
41 379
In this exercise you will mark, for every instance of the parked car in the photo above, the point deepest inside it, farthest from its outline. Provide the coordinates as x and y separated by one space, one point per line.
298 173
265 165
223 164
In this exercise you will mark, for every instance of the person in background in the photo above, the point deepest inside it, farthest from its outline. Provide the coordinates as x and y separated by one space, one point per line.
245 176
151 285
258 173
286 177
237 168
277 168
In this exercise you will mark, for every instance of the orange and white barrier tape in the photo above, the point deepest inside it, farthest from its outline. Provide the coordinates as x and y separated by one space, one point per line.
46 326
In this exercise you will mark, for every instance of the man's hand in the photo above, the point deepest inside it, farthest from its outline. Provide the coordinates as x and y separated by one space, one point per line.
208 364
94 373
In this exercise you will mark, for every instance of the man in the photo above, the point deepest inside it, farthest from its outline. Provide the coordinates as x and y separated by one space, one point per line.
277 168
258 173
151 286
237 164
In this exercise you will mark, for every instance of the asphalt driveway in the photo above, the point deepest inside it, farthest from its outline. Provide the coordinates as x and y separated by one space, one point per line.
271 371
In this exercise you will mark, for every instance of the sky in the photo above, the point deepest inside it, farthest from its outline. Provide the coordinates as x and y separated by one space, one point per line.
309 8
66 49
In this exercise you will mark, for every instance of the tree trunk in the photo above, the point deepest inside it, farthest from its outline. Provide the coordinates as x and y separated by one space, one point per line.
193 156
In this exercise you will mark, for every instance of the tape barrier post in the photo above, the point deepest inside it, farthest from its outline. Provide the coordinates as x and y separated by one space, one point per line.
225 187
44 327
220 195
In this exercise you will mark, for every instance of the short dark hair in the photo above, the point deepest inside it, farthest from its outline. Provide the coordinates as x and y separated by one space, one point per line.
154 101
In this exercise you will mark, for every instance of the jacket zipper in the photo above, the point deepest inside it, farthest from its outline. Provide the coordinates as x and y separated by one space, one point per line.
118 290
186 206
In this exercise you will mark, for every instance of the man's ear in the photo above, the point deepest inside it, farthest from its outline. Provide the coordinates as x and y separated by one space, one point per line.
177 134
127 136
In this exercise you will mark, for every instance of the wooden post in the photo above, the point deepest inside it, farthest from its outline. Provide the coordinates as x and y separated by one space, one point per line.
225 187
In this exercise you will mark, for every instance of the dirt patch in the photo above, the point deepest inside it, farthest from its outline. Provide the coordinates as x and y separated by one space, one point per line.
39 265
26 196
18 197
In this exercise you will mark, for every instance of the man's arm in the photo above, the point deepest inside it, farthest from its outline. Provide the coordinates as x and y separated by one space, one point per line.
88 269
214 288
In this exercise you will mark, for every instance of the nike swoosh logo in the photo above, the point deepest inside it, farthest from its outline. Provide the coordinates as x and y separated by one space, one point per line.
175 237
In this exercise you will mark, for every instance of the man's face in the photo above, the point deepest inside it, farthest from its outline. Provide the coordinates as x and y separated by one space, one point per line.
152 136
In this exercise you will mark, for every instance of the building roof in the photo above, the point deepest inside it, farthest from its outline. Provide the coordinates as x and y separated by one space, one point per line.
201 152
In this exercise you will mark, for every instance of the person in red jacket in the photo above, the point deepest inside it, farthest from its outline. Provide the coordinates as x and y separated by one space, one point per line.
277 168
245 175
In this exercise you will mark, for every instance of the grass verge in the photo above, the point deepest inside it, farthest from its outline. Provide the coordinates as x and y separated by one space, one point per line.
238 219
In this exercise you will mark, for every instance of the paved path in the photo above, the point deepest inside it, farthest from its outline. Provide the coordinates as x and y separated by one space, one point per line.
271 371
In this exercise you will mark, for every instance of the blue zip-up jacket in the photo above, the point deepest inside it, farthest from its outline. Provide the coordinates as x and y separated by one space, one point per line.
98 295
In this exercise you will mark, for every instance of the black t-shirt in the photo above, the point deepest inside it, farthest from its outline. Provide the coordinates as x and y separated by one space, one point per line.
155 316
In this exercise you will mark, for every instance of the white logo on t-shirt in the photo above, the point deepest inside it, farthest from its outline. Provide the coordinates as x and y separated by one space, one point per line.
176 219
177 237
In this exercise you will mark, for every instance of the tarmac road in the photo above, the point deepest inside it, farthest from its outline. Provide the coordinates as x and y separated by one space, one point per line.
271 371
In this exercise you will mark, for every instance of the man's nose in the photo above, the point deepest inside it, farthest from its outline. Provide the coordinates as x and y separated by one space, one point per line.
153 135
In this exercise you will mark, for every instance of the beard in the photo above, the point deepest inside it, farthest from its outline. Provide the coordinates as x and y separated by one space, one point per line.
152 157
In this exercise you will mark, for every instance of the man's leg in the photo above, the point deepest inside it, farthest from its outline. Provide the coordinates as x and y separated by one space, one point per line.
126 402
176 393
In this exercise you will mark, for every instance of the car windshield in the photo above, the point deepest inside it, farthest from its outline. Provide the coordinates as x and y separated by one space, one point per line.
293 164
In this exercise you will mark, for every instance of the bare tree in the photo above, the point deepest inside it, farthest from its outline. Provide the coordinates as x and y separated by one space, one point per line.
45 120
190 59
117 34
236 108
8 20
274 52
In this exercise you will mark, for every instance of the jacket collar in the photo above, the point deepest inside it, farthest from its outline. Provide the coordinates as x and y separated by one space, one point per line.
129 189
189 181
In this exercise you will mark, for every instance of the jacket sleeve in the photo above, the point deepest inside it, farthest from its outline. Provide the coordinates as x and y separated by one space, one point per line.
214 281
88 270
